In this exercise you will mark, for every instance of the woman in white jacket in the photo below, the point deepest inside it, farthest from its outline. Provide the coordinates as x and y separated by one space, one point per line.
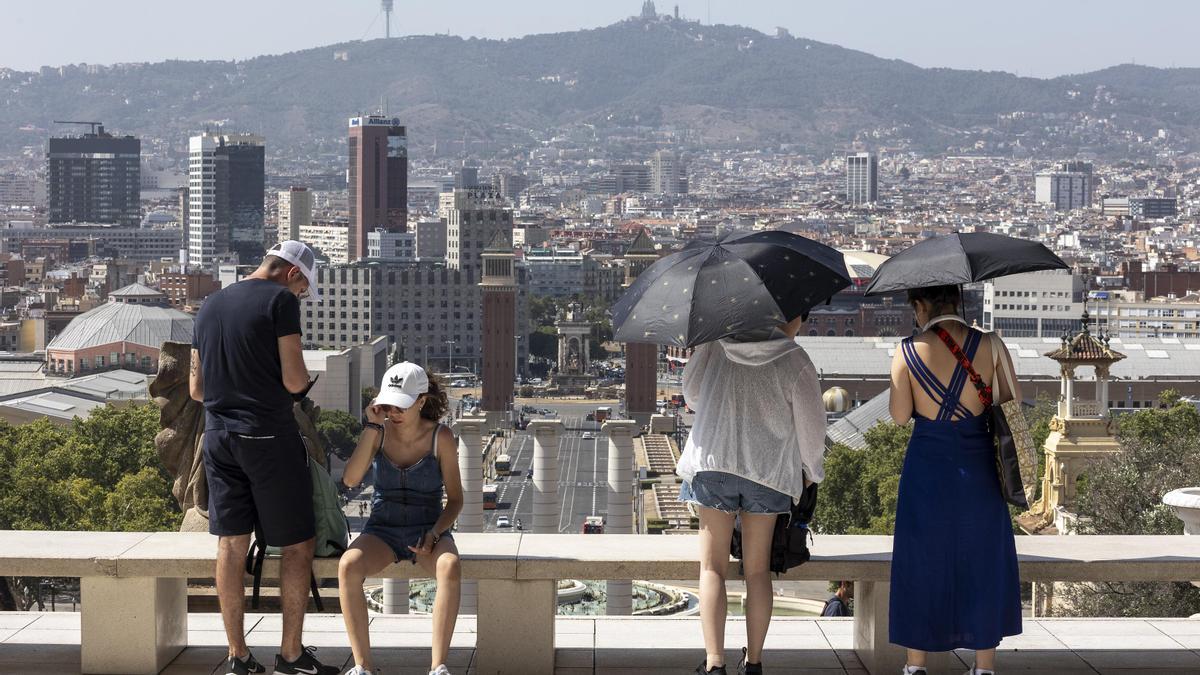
757 442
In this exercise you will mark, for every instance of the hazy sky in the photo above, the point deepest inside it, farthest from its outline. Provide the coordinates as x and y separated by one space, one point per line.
1029 37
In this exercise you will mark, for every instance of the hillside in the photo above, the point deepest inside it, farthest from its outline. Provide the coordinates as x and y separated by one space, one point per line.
724 84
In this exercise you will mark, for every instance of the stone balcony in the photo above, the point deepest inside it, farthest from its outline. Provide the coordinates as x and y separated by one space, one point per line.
133 616
48 644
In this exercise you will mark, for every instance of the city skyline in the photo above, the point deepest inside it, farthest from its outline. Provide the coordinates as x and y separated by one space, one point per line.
929 33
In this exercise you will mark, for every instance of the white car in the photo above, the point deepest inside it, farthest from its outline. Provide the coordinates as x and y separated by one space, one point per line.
503 521
587 436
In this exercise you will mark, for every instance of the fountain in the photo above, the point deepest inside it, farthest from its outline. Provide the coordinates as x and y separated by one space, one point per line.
1185 502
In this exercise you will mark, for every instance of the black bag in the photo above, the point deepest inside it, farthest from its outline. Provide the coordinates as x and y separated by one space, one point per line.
789 542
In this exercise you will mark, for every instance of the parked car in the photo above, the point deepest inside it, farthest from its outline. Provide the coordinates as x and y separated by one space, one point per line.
587 435
503 521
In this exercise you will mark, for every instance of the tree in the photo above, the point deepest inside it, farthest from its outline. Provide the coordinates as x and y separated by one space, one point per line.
340 431
102 473
368 394
858 495
1123 495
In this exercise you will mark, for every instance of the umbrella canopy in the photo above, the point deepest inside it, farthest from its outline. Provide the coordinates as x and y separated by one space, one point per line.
738 284
961 258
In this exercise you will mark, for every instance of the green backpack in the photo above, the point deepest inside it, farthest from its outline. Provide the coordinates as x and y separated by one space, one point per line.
332 538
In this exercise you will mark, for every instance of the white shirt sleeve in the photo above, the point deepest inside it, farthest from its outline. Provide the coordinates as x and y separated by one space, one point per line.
809 413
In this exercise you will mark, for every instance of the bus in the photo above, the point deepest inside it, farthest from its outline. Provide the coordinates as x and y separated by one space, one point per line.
503 465
603 413
489 496
593 525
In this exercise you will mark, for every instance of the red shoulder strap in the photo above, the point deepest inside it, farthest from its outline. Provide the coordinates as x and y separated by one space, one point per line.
984 390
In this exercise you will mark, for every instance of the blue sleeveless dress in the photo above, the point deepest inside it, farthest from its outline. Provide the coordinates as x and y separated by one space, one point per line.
408 501
955 581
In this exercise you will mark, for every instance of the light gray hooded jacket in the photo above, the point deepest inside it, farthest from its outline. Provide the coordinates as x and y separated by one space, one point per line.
759 414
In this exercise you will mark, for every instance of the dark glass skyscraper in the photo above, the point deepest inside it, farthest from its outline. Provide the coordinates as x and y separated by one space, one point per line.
95 178
226 184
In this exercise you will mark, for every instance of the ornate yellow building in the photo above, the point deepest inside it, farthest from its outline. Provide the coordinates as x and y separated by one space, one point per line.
1081 431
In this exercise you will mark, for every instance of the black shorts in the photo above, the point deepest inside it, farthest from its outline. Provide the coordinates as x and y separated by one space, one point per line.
259 478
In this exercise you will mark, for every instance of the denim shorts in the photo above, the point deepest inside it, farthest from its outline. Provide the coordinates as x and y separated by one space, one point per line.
731 493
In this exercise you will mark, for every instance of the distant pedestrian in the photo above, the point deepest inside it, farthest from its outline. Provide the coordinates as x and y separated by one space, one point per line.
247 363
758 442
839 604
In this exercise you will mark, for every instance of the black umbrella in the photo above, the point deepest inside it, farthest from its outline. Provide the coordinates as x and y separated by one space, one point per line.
738 284
961 258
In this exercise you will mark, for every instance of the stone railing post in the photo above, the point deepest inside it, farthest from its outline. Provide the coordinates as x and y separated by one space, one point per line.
131 625
877 654
620 504
395 596
515 629
546 434
470 466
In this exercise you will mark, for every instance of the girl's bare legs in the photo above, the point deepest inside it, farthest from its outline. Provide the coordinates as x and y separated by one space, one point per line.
757 532
366 556
443 565
716 530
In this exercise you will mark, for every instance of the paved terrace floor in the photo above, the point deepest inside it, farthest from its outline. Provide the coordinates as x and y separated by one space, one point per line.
48 644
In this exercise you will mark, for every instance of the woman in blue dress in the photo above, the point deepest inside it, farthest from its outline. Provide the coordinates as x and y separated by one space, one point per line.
415 459
954 562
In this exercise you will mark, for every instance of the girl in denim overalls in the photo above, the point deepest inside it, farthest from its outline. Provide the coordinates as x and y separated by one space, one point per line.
414 458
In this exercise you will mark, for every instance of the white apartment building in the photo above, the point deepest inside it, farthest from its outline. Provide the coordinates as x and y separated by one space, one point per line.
472 216
1036 304
332 239
295 211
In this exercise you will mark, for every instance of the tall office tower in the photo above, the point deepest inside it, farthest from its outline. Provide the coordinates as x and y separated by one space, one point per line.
641 358
636 178
1070 187
473 217
295 212
862 178
466 177
95 178
226 183
667 174
378 179
498 287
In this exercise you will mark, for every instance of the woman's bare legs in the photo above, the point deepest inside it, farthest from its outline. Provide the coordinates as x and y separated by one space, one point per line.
366 556
716 530
757 532
443 565
985 658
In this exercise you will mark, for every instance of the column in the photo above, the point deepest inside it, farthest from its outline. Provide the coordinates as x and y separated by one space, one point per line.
1102 390
395 596
131 625
515 631
546 434
470 466
1069 383
871 644
620 503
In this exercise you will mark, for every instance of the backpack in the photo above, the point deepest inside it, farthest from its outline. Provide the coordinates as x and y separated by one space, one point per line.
789 541
332 532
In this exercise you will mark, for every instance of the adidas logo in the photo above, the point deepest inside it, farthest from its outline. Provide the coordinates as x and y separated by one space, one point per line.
397 382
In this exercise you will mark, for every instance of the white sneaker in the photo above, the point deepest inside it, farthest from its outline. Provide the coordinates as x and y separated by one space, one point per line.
359 670
440 670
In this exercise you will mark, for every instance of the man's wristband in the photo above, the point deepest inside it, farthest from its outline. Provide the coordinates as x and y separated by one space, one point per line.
373 425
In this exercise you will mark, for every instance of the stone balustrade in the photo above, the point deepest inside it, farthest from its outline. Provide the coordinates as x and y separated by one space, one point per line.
134 592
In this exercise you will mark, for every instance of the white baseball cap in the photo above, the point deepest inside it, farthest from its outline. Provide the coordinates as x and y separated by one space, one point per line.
402 384
299 254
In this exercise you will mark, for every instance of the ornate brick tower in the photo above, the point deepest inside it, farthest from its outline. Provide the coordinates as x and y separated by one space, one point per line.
641 359
499 289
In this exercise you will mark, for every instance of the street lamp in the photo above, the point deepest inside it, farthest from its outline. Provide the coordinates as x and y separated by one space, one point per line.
451 343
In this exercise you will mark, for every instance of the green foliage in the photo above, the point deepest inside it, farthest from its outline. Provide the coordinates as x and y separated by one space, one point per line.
858 495
368 394
543 342
102 473
1123 495
339 431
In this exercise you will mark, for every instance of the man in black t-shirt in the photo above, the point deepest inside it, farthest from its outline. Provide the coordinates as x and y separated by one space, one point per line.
247 363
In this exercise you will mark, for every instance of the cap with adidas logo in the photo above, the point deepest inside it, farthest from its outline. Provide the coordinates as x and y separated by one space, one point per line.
402 384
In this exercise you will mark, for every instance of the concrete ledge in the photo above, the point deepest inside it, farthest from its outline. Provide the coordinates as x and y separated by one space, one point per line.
63 554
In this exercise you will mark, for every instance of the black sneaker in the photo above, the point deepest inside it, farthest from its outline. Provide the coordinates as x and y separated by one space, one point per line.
236 666
745 668
717 670
307 664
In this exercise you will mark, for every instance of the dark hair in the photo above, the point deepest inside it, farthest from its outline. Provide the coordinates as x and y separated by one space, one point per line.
436 402
938 297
